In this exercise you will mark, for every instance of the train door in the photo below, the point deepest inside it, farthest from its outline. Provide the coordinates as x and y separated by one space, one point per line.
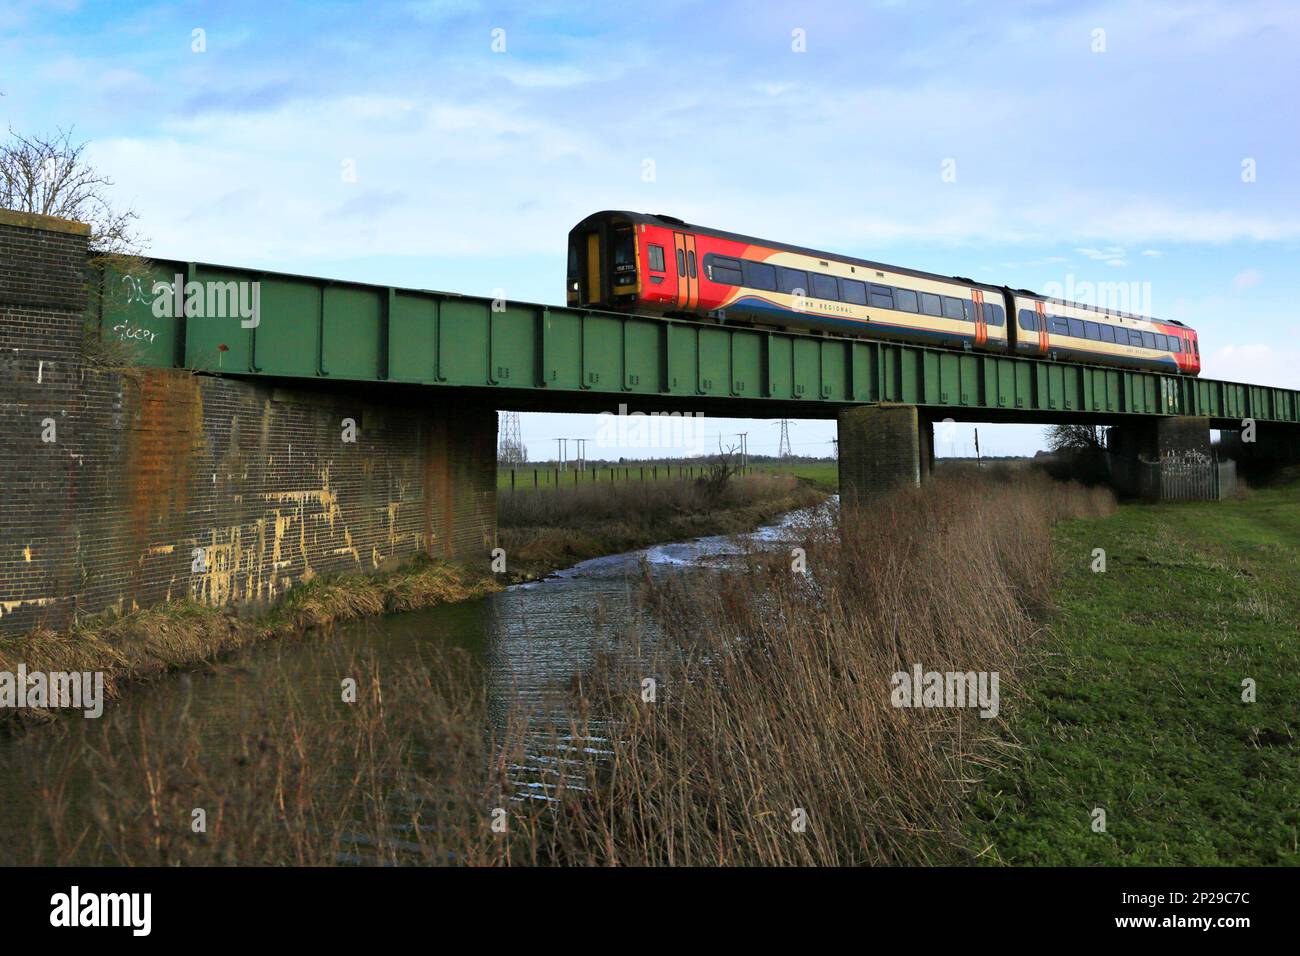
981 321
584 273
1044 343
688 271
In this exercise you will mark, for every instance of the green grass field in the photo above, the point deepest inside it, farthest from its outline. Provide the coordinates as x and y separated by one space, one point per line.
823 474
1137 707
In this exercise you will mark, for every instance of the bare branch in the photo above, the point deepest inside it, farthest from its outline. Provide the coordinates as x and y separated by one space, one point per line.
50 176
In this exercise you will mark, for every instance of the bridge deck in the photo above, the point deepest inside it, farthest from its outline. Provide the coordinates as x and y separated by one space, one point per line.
539 356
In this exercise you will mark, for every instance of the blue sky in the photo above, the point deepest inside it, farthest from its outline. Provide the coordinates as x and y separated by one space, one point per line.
1071 155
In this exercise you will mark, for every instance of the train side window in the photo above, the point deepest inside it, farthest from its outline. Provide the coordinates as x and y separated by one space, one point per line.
931 304
793 281
1135 338
882 296
1029 320
1196 346
1149 340
907 301
724 270
1108 333
853 291
690 263
1162 343
656 255
681 262
824 287
1074 328
993 314
1092 330
953 308
1060 325
1175 344
759 275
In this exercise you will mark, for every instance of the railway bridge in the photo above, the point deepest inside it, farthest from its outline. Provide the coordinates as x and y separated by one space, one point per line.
272 426
526 356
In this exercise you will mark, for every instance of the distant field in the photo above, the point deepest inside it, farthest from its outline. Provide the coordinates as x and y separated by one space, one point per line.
1138 709
544 476
823 474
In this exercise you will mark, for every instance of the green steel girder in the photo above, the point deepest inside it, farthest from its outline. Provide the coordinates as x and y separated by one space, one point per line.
547 356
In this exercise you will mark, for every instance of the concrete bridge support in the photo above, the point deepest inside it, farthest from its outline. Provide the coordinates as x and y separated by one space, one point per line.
883 448
1146 440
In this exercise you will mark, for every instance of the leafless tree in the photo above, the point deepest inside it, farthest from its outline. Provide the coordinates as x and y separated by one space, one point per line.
51 176
1076 439
719 471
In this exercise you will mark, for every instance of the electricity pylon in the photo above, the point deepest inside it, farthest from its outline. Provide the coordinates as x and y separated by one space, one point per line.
510 448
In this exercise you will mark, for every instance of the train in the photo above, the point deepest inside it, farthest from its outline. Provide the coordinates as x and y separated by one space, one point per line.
660 265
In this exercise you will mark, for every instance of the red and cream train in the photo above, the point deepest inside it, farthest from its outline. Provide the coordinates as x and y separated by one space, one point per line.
658 264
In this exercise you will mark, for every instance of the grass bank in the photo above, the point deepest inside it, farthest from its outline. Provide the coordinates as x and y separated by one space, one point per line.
543 531
1135 706
146 644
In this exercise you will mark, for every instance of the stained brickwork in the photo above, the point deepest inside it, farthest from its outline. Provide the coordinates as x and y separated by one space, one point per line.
881 449
155 484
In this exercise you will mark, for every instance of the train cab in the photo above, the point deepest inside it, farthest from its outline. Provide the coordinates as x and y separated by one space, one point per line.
603 262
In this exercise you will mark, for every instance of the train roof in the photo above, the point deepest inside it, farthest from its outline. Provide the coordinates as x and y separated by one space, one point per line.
672 222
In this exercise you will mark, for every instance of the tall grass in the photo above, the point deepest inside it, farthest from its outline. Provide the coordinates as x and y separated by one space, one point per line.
771 698
774 687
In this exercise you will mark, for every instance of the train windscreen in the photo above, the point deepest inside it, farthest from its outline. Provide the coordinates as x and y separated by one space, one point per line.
624 255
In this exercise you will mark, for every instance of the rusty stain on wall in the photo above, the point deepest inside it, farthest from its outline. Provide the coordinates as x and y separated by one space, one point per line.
160 459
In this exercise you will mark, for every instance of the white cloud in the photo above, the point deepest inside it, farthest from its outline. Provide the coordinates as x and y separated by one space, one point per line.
1246 279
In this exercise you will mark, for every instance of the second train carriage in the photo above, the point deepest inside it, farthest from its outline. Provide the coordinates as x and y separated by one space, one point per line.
658 264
